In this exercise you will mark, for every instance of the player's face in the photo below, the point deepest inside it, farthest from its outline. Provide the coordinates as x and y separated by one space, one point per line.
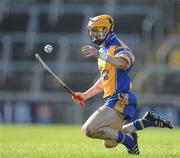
97 35
93 33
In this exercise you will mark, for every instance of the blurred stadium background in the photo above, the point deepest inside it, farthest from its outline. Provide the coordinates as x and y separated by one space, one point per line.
27 95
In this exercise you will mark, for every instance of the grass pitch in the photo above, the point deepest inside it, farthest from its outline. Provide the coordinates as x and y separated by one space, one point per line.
62 141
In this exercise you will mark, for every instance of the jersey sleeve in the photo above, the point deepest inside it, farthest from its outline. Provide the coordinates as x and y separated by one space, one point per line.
127 55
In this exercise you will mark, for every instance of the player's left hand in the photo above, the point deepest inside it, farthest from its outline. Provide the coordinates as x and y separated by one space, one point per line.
90 51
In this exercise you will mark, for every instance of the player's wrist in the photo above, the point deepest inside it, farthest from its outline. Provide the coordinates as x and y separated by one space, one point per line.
103 55
85 96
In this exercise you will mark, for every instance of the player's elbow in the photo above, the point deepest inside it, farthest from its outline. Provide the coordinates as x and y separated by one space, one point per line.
123 67
123 64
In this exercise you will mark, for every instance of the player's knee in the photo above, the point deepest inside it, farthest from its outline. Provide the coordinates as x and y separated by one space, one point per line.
88 130
110 143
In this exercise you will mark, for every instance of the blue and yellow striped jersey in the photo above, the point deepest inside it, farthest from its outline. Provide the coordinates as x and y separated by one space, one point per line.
115 80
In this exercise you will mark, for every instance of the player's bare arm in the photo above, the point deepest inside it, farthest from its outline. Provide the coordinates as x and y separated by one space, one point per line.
92 91
95 89
117 61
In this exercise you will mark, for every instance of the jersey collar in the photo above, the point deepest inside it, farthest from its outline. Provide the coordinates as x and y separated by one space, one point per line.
108 40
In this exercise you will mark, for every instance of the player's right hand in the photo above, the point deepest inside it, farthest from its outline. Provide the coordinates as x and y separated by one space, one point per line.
79 98
90 51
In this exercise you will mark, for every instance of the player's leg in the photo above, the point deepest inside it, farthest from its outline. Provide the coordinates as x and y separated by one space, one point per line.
113 143
129 111
126 109
97 126
117 124
150 119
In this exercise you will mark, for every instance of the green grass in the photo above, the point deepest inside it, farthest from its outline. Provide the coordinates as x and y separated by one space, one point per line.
61 141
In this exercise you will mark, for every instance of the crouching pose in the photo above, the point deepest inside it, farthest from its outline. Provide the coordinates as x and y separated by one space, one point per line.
115 61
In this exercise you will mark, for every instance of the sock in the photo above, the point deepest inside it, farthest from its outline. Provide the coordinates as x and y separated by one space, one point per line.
140 124
125 139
